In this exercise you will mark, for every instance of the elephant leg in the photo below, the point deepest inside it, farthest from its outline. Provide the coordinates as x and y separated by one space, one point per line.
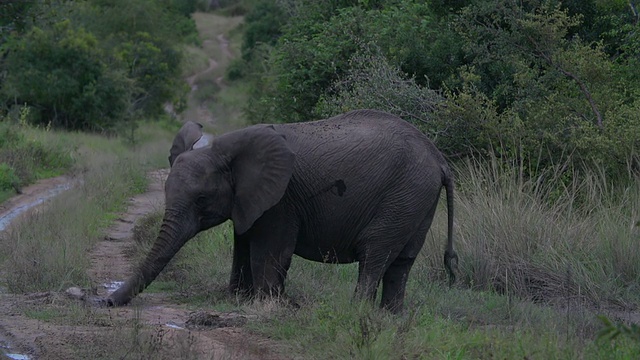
270 261
272 243
375 256
369 275
241 279
394 284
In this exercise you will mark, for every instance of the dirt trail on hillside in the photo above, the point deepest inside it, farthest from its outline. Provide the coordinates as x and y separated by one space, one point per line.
204 114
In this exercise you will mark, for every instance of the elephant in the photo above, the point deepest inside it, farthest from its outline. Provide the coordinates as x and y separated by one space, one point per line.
358 187
189 137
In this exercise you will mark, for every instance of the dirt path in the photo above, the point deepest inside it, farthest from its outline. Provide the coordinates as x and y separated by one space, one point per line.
163 327
204 114
164 330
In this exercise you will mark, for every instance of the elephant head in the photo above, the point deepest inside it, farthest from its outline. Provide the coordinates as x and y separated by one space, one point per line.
240 176
189 137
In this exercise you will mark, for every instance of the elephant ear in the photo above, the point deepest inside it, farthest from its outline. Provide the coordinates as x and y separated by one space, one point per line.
261 171
187 136
204 141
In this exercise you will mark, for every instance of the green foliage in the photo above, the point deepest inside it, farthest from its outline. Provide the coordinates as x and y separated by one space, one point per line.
8 178
98 64
611 330
567 93
536 80
310 56
61 74
181 7
154 68
24 160
372 83
263 26
317 44
13 16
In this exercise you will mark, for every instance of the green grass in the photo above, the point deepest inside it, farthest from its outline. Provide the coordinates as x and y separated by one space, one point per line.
534 276
222 102
581 247
27 155
47 251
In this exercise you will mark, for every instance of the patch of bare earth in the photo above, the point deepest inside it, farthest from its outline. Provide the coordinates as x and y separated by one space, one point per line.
58 326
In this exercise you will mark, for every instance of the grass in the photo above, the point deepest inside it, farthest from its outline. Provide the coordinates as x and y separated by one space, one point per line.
27 156
538 263
579 248
534 276
222 103
47 251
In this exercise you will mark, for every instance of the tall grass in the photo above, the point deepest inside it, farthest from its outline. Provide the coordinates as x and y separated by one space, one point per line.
545 241
27 156
523 245
48 250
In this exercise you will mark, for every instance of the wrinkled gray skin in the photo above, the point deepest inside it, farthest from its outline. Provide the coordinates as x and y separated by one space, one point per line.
189 137
362 186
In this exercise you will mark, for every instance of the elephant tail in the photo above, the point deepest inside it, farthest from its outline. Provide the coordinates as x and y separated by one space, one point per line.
450 256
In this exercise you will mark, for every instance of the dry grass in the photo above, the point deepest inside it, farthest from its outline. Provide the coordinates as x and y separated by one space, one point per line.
540 240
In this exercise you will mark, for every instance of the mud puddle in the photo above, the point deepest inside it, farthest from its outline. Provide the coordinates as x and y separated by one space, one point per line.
32 197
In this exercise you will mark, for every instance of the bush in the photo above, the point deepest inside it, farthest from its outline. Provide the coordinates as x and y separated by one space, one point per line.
373 83
539 240
25 160
61 72
8 178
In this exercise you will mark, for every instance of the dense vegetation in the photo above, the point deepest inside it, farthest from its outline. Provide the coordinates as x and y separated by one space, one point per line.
25 158
541 82
522 96
97 65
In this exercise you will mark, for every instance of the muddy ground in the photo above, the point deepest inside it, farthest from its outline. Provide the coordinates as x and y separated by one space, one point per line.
163 329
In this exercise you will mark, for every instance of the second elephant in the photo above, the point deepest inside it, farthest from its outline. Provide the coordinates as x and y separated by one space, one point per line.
363 186
189 137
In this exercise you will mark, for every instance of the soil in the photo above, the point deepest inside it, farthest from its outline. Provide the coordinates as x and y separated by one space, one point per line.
175 330
31 325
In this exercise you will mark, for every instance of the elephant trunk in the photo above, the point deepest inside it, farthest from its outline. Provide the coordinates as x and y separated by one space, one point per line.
173 235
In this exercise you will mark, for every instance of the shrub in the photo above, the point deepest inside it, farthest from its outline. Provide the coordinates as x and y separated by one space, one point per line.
61 72
373 83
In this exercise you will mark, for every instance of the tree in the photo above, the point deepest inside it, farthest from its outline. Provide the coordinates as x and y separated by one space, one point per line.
96 63
566 92
61 75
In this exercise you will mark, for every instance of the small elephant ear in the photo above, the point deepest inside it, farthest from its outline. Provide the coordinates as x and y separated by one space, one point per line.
204 141
187 136
261 172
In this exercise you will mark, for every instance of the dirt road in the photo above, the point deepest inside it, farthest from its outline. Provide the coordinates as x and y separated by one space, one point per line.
30 325
154 328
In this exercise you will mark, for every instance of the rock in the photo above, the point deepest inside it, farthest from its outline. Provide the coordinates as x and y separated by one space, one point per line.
75 293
